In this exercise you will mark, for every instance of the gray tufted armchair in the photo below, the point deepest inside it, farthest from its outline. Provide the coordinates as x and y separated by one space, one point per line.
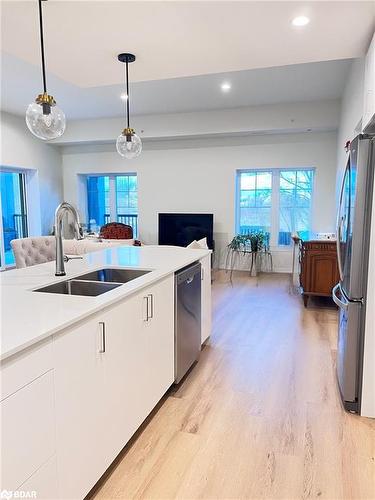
31 251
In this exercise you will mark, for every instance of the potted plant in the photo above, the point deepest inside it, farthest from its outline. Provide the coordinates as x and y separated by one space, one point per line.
252 242
239 242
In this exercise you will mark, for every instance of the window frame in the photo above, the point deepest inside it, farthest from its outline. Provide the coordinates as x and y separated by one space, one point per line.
238 193
275 199
23 187
112 192
116 207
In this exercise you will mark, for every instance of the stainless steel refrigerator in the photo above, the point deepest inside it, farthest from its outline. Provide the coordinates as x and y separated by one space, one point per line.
353 240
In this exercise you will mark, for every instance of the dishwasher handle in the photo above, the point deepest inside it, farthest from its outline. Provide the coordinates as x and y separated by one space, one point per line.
188 274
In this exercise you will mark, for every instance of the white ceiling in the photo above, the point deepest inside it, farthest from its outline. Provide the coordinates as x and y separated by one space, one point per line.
181 38
301 82
184 49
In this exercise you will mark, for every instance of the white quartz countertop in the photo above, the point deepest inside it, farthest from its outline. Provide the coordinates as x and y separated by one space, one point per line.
28 317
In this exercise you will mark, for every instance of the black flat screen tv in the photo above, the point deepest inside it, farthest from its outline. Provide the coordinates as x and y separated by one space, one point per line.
182 229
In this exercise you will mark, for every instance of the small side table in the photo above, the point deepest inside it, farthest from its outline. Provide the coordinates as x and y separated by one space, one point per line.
256 258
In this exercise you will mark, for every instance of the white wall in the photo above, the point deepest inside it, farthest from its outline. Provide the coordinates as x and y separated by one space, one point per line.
351 114
19 148
199 176
275 118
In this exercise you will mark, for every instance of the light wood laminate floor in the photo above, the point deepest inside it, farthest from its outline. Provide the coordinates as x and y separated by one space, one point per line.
259 416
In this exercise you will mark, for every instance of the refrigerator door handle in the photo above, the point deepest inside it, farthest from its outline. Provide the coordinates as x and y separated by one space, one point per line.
338 239
338 229
339 301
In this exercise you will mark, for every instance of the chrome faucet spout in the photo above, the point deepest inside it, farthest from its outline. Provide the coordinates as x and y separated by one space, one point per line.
61 210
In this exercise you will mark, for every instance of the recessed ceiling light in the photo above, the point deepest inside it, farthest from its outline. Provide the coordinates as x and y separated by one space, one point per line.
124 96
300 21
226 86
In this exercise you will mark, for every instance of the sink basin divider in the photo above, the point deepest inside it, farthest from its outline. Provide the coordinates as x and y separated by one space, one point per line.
96 281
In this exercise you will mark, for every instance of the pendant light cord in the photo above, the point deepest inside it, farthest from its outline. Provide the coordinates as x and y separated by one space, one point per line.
42 46
127 93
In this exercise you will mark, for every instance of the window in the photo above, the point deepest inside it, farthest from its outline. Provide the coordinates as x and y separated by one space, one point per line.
97 200
255 201
112 198
13 213
126 195
295 204
276 201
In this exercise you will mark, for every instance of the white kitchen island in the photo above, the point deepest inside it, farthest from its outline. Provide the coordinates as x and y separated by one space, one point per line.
80 374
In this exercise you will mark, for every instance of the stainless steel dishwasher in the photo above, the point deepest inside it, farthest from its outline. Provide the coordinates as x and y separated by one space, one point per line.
187 318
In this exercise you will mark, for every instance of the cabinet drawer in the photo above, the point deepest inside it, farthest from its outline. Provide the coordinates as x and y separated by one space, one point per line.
43 482
27 431
21 369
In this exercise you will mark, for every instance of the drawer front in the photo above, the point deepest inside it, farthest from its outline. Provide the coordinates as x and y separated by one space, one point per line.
43 484
21 369
319 246
27 431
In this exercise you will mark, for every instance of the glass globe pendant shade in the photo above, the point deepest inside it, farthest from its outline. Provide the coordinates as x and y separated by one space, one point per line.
128 144
45 121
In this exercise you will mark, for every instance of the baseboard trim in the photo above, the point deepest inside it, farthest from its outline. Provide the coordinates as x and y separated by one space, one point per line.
276 270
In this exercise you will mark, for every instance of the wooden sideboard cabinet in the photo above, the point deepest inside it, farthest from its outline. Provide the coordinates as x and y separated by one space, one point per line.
319 271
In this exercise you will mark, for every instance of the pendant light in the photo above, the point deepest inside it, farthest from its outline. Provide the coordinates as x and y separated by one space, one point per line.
128 143
43 118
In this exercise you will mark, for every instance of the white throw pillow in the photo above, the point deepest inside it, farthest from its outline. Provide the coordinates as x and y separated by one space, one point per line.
203 243
199 245
194 244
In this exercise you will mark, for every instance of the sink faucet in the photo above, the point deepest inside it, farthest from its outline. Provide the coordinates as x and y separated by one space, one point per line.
61 210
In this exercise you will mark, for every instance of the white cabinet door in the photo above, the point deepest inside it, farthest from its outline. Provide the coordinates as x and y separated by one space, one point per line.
139 359
125 376
158 334
369 89
80 412
27 431
206 298
110 373
43 482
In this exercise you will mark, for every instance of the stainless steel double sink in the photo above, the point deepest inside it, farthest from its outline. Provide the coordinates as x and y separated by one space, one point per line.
94 283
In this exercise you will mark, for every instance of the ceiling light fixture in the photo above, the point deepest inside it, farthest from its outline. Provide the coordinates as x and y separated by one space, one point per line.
300 21
128 143
43 118
226 86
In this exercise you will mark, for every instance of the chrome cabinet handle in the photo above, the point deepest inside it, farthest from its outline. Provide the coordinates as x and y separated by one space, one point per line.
202 273
150 303
102 337
145 308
